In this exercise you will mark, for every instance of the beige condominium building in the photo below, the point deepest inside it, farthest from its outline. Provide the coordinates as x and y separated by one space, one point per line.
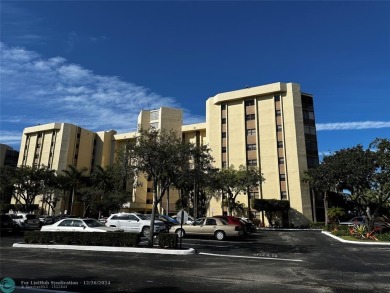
270 126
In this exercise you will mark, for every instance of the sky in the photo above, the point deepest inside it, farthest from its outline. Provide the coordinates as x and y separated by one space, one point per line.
97 64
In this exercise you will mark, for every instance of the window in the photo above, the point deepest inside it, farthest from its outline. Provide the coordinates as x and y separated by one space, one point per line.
280 144
39 135
148 189
251 131
308 115
223 107
223 149
249 103
154 125
223 121
278 128
283 195
281 161
282 177
310 130
278 113
66 223
277 98
252 163
154 115
251 147
38 145
223 134
249 117
224 165
211 222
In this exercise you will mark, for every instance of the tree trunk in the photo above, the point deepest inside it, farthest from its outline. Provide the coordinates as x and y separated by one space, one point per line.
326 208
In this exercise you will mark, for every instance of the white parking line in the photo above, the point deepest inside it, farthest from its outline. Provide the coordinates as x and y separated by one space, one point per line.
252 257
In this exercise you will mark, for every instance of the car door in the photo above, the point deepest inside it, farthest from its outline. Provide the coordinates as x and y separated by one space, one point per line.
196 227
134 223
65 226
79 226
209 227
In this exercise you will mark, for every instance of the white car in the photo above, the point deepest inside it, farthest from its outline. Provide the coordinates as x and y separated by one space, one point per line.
26 221
79 225
134 222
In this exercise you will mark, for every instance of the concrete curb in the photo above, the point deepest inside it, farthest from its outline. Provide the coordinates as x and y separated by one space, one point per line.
109 248
354 242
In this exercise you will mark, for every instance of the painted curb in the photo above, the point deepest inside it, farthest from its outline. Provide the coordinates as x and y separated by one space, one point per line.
108 248
354 242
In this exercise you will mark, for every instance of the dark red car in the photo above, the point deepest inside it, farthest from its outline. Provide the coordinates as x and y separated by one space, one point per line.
231 220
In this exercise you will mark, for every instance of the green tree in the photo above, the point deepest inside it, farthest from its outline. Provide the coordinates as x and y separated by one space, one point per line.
231 182
29 182
73 178
161 156
7 188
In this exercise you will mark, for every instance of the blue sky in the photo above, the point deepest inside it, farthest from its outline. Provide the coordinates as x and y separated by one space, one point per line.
96 64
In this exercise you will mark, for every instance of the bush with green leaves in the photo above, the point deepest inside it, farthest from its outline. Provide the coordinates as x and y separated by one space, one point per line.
83 238
167 240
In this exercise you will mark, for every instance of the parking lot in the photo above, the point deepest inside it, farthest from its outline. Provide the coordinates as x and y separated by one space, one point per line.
267 261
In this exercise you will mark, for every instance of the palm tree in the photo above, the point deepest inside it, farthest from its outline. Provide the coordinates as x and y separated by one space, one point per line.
73 177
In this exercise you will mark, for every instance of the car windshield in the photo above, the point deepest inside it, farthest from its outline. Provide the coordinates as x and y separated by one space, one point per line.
93 223
31 217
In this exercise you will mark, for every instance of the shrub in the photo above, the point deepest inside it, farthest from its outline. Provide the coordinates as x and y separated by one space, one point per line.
167 240
83 238
383 237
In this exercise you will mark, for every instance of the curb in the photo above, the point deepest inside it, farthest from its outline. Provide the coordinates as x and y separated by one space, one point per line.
109 248
354 242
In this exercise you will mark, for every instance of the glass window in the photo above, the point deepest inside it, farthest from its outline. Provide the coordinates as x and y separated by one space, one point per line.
249 117
77 223
66 223
154 125
223 107
278 113
249 103
282 177
252 163
281 161
223 149
251 147
223 134
283 195
280 144
279 127
277 98
223 120
154 115
251 131
211 222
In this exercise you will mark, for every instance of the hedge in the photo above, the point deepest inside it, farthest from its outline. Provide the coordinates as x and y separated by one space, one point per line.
167 240
83 238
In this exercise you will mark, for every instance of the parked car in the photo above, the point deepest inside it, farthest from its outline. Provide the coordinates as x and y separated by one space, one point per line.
209 226
233 221
134 222
26 221
6 223
362 220
79 225
47 220
167 220
189 221
250 227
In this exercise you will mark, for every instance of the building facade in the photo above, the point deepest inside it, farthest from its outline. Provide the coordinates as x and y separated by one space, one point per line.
270 126
8 156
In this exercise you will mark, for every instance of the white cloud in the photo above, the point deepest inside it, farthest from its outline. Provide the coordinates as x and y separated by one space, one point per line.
352 125
10 137
38 90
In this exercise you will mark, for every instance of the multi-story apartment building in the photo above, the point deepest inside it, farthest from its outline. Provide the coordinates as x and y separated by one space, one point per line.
8 156
270 126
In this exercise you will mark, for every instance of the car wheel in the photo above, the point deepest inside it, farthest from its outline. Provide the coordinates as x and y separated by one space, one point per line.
180 233
146 231
220 235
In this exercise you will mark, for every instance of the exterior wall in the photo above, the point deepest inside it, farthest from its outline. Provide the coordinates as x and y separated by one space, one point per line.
279 153
8 156
264 126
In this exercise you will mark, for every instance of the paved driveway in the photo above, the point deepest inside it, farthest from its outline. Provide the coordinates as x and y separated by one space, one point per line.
268 261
